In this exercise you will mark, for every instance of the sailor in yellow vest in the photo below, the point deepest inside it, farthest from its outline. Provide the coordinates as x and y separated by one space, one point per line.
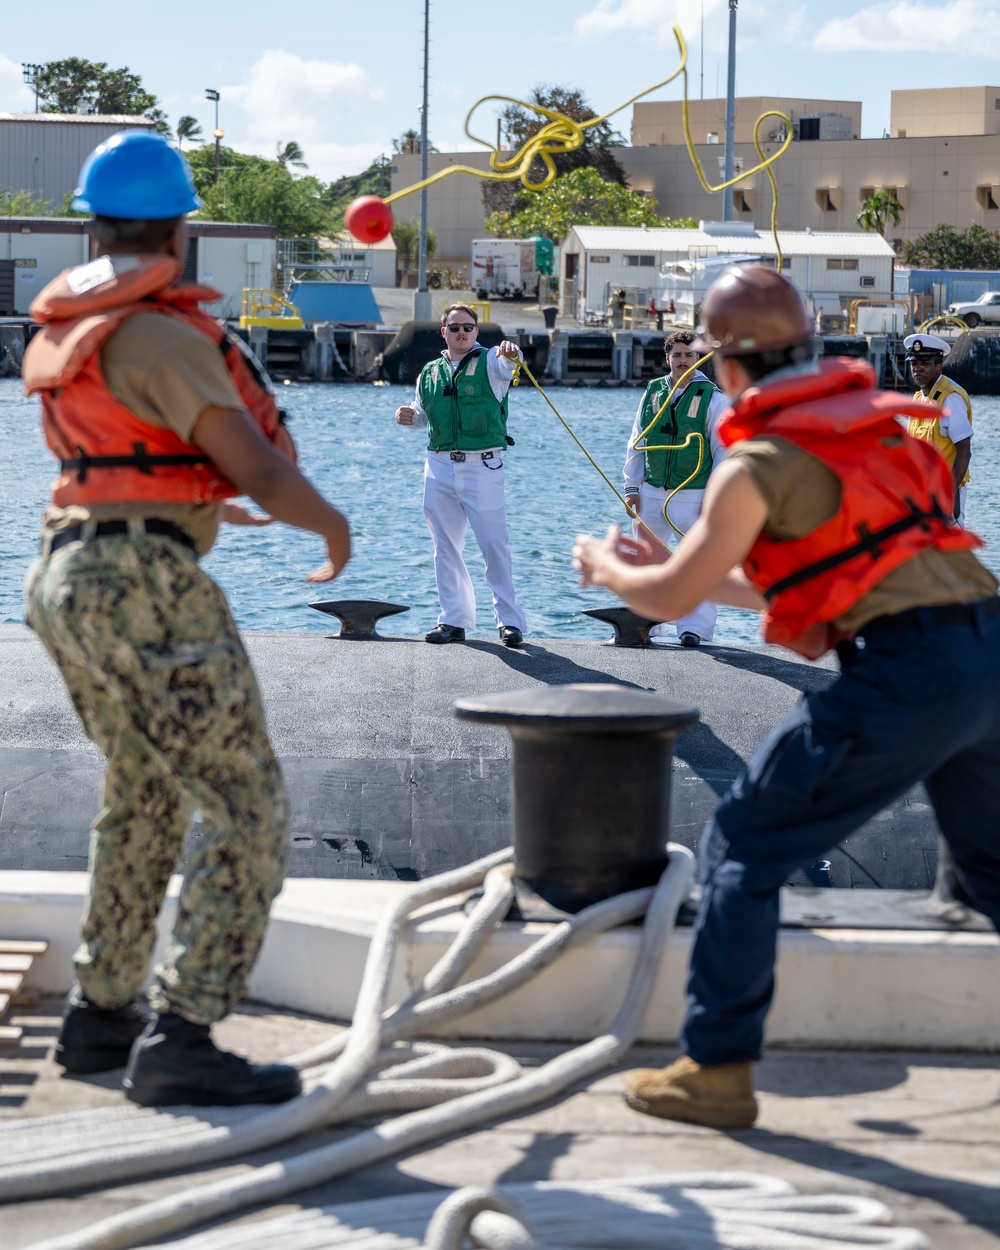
950 430
652 477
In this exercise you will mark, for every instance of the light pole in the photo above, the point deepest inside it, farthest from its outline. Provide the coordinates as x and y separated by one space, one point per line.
213 95
727 195
422 303
30 75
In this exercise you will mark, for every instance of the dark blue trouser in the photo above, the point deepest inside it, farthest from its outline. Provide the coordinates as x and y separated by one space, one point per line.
920 705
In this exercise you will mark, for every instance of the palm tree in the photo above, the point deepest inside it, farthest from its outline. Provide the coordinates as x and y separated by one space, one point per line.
188 128
291 154
878 209
406 236
408 143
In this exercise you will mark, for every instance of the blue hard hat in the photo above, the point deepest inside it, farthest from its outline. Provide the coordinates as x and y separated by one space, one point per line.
138 175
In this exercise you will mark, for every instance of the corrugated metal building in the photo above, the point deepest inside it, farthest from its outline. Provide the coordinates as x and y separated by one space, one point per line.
42 152
831 269
946 286
226 255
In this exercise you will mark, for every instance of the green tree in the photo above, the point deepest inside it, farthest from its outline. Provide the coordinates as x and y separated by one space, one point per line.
944 247
251 188
520 124
580 198
75 85
291 154
375 180
878 210
406 236
408 143
24 203
188 130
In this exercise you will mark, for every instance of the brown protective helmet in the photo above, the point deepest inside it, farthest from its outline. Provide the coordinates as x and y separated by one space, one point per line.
750 309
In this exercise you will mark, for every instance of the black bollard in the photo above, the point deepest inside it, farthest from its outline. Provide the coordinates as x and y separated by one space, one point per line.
630 630
358 617
590 789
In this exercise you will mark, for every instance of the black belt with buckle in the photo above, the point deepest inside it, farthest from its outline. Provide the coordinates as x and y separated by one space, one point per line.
103 529
461 456
939 614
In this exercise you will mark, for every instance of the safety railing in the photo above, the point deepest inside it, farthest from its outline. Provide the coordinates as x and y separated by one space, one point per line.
261 307
877 303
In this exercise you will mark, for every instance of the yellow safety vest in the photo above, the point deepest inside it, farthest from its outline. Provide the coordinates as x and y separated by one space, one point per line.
929 430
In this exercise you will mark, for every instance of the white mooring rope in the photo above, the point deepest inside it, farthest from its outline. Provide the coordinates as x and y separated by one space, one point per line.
432 1091
680 1211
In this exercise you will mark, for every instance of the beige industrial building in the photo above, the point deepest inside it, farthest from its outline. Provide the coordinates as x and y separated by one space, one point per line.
934 111
661 122
950 177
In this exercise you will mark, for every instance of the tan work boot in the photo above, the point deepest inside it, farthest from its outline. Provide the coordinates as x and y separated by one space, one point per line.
719 1097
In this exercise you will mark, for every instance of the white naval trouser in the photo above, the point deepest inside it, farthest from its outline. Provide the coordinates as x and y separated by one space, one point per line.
457 494
684 509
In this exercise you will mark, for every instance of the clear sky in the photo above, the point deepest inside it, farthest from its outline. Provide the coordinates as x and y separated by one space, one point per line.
343 77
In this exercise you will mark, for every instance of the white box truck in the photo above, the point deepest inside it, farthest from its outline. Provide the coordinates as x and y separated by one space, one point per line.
504 268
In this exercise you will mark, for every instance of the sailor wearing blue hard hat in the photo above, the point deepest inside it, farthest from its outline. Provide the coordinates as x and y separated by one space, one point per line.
138 175
159 419
950 429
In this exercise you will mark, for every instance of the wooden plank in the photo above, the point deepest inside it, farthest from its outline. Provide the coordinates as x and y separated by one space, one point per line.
11 982
25 998
15 963
4 1004
17 946
10 1034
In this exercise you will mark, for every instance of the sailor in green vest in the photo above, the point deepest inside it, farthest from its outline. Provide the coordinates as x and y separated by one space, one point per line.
653 476
950 429
462 400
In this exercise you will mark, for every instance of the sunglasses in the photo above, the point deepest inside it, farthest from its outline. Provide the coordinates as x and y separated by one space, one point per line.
466 326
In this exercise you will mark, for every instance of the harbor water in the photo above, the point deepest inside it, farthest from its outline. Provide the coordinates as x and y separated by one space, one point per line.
352 449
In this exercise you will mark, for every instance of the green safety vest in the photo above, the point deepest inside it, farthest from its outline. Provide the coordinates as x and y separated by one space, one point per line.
689 412
463 414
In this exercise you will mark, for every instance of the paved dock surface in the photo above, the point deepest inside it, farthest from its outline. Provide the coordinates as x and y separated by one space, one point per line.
918 1131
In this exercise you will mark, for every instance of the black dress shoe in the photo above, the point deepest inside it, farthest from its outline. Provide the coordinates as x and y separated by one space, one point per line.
98 1039
176 1063
445 633
690 640
511 636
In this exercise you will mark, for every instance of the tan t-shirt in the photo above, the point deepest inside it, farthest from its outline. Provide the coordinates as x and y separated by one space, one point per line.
802 493
167 373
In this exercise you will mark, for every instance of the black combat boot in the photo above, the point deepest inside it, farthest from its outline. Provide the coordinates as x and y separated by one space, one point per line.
175 1062
98 1039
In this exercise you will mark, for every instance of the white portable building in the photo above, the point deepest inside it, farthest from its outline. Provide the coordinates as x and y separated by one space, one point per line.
226 255
830 269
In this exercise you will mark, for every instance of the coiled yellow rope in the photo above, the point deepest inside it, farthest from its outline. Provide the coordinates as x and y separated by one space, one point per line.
562 134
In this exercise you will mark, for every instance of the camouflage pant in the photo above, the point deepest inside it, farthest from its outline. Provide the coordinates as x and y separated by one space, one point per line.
156 670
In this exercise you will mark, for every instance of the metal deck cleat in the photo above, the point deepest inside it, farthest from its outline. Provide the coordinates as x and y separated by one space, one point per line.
358 617
630 630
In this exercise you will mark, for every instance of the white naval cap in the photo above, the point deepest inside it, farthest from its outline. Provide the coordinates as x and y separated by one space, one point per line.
925 346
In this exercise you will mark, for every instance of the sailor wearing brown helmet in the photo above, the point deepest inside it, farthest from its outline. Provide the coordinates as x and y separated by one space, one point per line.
829 518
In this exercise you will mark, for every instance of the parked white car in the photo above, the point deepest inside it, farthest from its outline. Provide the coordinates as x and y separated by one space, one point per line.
985 310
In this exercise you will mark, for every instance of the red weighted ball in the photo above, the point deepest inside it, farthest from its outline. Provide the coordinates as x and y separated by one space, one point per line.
369 218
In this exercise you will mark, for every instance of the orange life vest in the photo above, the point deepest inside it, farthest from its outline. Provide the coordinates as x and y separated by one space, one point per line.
896 498
108 454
